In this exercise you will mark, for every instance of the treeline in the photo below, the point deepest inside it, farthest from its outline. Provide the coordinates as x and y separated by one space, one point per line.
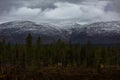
33 56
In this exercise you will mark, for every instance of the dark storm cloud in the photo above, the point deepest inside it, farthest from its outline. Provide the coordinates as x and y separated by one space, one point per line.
114 5
44 4
6 5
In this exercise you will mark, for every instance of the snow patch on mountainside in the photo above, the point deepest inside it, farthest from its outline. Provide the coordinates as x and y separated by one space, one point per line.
64 32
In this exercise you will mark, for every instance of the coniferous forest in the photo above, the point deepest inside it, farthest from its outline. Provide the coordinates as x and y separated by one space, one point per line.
58 61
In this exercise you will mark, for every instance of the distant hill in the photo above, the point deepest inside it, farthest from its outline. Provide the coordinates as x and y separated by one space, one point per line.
97 33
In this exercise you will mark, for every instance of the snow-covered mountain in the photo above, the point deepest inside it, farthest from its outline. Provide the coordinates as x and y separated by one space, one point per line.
100 32
18 30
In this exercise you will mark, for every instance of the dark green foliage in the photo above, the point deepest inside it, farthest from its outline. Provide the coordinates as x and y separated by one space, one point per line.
31 57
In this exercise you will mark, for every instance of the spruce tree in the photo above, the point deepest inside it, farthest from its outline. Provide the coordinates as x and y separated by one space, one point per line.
29 48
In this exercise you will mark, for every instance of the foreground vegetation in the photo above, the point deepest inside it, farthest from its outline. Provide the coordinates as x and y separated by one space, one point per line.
58 61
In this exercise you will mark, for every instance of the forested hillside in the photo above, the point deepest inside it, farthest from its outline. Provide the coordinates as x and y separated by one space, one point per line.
19 59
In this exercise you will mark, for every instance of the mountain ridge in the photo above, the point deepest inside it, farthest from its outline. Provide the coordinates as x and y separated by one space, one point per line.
98 33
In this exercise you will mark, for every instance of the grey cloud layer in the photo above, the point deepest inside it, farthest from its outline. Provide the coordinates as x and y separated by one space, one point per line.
114 5
8 4
87 10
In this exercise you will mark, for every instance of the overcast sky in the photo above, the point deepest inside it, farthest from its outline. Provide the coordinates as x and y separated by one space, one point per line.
84 11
